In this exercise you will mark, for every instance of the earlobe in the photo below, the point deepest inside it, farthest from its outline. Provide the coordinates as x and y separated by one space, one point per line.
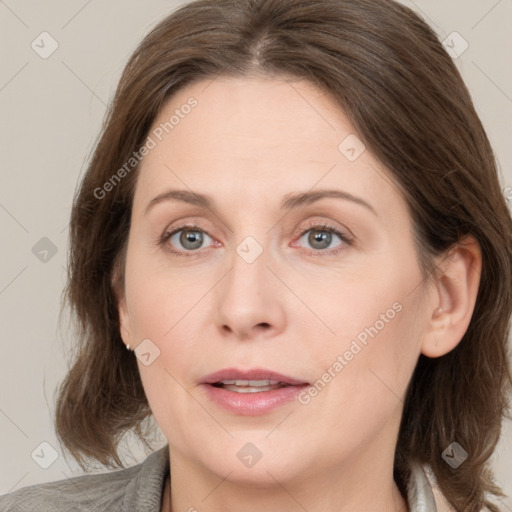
457 289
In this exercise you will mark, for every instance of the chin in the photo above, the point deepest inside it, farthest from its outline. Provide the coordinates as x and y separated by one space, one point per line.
257 463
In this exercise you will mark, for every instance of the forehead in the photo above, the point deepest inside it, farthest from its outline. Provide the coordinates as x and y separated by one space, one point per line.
254 118
257 138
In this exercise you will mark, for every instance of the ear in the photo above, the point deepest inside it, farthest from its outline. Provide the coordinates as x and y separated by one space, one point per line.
122 310
124 322
454 301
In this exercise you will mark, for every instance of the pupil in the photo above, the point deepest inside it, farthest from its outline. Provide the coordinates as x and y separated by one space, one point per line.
324 237
191 237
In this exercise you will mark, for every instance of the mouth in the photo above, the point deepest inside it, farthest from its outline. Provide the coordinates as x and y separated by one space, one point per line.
251 392
250 386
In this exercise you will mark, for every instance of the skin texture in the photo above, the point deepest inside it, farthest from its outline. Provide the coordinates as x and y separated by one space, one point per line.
294 309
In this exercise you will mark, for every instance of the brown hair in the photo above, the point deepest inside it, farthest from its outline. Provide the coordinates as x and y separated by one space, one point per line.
387 70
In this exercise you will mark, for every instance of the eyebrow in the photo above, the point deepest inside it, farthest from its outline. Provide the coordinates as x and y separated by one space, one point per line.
289 202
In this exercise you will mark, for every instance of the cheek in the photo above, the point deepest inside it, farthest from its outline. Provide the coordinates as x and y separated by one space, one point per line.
161 309
157 298
378 323
361 386
374 313
377 377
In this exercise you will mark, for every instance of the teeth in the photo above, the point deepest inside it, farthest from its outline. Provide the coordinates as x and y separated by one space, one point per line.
250 386
250 389
249 382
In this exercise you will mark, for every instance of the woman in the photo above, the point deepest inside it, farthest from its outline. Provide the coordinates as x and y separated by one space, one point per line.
294 223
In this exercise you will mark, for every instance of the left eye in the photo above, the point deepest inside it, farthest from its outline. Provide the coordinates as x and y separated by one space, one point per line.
320 238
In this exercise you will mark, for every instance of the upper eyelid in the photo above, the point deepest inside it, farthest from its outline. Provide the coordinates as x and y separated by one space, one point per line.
191 226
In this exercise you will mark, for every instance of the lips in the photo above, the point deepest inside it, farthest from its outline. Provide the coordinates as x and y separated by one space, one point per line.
251 392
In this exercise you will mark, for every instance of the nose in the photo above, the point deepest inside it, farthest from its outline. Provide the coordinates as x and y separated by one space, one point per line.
249 299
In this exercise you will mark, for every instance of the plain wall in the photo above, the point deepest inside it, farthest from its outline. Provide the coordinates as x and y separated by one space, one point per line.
51 111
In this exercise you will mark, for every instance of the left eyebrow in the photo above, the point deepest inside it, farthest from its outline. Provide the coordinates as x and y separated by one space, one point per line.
303 198
290 201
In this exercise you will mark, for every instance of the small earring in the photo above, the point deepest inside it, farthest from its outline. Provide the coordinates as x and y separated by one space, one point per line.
128 347
439 311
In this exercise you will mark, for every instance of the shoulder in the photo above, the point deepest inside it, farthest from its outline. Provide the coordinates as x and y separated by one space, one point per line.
73 494
136 488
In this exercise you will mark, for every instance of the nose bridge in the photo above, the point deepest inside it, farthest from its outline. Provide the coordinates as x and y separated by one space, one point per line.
248 277
247 296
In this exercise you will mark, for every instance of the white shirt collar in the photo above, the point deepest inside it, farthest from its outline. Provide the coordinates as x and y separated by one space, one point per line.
419 491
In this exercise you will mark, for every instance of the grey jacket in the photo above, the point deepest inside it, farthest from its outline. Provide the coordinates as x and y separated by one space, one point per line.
139 489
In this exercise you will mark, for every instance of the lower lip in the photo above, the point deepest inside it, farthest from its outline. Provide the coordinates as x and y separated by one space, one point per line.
252 404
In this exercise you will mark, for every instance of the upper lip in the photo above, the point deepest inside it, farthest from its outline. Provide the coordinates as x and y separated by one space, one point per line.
250 374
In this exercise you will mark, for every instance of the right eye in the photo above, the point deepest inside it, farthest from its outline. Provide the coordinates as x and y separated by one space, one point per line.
184 239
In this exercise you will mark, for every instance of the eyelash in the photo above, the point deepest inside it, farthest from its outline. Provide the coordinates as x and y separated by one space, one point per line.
162 241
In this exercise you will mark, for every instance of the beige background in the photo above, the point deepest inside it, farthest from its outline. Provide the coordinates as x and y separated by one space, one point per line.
51 111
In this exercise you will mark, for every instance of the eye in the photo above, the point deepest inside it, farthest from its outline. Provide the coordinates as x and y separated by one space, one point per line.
320 238
184 239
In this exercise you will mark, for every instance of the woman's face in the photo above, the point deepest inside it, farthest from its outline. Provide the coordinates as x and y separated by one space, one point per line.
259 286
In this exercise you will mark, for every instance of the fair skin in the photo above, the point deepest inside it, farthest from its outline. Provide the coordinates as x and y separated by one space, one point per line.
294 309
